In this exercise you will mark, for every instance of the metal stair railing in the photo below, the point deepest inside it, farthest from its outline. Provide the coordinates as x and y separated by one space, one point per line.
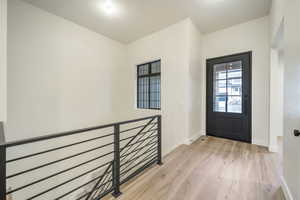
132 147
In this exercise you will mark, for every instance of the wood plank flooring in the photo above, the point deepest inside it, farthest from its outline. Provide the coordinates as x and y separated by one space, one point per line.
209 169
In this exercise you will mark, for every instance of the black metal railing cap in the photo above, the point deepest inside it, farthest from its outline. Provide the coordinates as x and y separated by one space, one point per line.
68 133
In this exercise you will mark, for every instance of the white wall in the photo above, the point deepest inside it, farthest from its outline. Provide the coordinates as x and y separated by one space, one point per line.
58 73
276 17
276 72
291 144
195 102
276 100
251 36
171 46
3 67
60 77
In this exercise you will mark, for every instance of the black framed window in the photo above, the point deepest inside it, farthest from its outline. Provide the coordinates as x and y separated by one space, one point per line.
148 85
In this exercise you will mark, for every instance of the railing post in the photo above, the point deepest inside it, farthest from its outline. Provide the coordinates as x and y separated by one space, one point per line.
159 159
2 172
2 164
116 166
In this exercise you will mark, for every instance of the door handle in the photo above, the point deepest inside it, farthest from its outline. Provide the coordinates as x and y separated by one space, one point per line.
297 133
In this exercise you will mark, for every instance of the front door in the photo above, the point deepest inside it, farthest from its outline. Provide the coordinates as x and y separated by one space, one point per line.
228 109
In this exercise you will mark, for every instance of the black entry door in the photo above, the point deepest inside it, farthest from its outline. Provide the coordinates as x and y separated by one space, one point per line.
228 109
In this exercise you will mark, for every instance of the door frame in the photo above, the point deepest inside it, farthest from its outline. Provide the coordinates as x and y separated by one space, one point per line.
249 106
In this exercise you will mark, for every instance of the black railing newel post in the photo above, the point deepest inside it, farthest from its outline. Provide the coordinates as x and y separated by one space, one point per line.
2 172
116 165
159 159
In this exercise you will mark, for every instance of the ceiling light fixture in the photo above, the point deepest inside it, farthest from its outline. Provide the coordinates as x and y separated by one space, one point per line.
109 7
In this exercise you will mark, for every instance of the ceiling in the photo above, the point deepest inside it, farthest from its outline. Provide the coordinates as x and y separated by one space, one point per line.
133 19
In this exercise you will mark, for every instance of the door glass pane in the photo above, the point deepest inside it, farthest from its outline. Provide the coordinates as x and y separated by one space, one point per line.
220 71
220 87
234 104
220 104
227 87
234 87
234 69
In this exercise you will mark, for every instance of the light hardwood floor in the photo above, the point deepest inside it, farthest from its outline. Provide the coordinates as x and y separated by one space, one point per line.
209 169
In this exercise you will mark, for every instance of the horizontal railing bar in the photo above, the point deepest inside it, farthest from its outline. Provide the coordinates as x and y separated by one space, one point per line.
53 162
137 157
130 129
141 134
84 152
145 159
104 194
102 179
137 120
50 150
79 197
130 164
137 146
68 133
125 155
47 177
122 152
136 136
70 180
94 190
51 136
137 172
73 190
150 149
104 184
139 142
152 156
104 188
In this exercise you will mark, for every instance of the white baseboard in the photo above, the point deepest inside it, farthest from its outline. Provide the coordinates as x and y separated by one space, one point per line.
260 143
193 138
286 191
273 148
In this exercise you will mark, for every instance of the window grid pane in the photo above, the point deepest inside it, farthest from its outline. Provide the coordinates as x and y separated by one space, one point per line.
155 67
143 92
143 70
155 92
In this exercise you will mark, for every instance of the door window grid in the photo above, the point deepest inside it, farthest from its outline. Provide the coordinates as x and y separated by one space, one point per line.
148 85
228 87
